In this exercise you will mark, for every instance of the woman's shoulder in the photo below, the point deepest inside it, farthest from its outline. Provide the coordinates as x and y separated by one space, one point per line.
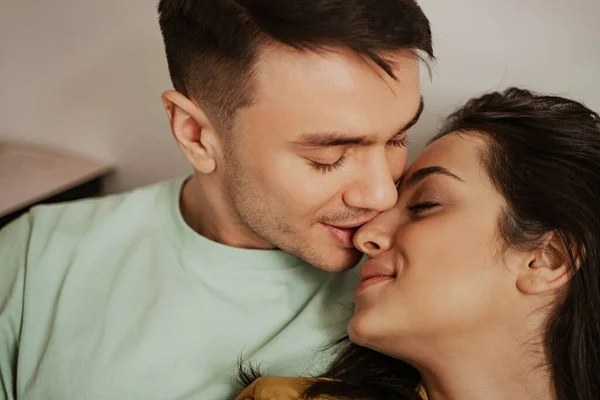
286 388
277 388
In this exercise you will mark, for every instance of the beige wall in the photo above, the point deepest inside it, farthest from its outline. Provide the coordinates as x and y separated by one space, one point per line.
86 75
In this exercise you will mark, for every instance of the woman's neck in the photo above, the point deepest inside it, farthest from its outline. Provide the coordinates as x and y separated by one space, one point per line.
492 369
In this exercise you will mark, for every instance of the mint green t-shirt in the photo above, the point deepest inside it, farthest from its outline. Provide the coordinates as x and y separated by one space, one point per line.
117 298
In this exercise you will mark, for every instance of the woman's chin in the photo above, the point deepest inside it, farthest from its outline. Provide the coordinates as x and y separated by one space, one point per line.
378 332
359 330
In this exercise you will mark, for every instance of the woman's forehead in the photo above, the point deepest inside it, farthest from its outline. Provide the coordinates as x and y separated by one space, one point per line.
453 152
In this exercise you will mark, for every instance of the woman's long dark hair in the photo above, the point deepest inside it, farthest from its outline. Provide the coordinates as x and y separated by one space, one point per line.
543 155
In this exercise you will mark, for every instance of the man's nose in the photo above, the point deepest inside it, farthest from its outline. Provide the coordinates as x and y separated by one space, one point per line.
374 188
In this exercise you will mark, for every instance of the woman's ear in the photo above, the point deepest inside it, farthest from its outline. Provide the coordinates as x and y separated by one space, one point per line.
194 132
546 269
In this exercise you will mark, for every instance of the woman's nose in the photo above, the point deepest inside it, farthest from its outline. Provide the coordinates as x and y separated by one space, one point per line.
374 237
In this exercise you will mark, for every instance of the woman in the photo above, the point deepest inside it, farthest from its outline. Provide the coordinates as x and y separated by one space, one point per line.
484 281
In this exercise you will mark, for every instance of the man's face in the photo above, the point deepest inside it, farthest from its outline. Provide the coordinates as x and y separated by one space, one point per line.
319 151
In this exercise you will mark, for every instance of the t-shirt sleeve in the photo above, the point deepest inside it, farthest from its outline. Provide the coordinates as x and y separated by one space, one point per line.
14 239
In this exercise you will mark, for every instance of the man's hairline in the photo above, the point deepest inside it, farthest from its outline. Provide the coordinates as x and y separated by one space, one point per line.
263 45
317 49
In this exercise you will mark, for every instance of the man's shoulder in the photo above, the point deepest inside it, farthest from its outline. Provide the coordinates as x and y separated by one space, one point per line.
88 212
69 222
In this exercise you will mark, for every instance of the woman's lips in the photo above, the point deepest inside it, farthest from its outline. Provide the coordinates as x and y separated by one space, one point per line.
373 272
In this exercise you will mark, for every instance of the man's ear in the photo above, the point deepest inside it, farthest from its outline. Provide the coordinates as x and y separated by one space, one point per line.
545 269
195 134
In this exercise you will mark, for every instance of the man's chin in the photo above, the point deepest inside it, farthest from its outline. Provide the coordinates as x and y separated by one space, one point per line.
338 261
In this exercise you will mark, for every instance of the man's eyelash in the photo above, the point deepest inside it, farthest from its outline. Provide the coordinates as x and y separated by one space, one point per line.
400 142
328 167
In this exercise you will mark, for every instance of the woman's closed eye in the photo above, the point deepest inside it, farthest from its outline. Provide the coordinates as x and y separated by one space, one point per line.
423 206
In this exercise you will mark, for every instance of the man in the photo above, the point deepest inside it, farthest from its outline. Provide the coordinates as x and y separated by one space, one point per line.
293 115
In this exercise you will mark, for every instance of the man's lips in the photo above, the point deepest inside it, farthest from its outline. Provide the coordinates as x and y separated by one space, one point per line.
355 225
344 233
345 236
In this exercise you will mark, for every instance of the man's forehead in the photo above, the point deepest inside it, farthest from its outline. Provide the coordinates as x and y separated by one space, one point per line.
296 99
334 71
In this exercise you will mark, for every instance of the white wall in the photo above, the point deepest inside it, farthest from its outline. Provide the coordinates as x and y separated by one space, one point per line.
87 75
545 45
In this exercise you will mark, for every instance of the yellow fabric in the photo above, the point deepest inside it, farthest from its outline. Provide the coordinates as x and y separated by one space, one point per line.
422 392
286 388
275 388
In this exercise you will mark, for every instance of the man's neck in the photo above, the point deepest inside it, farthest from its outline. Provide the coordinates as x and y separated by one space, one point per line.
208 212
498 368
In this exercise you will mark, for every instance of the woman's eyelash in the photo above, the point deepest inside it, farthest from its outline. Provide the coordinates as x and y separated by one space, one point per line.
418 207
400 142
328 167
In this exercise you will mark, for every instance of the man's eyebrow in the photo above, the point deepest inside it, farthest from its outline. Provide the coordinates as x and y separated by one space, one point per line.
420 174
416 117
326 139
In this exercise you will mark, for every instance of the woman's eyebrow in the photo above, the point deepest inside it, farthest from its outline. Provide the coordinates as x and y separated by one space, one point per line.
422 173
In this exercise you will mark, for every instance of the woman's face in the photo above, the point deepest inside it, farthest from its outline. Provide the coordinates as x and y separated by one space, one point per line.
437 262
